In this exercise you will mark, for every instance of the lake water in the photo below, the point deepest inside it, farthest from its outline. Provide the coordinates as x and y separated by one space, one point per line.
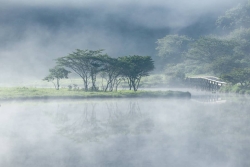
202 132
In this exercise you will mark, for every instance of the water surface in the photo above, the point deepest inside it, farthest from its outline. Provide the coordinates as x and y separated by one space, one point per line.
125 132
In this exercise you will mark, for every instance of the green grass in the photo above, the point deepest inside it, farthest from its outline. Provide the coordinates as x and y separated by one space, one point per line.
235 89
154 80
44 93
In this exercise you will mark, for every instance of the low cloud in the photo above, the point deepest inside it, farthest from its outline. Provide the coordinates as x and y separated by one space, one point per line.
34 33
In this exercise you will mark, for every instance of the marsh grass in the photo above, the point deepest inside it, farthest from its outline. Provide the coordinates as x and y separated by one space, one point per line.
40 93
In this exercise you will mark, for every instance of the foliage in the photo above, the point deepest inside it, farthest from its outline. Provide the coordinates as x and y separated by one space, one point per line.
175 74
227 56
111 71
236 17
172 47
69 87
224 65
85 63
238 75
208 54
208 49
215 54
56 73
134 68
242 50
235 89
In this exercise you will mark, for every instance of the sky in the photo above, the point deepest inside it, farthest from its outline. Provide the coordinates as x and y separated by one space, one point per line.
35 32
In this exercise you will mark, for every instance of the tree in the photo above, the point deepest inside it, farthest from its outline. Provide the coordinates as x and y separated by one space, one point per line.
96 66
242 50
215 55
85 63
223 65
111 70
176 77
172 47
207 49
238 75
236 17
56 74
134 68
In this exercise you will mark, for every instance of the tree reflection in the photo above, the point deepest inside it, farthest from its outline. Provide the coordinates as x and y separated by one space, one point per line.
82 123
211 98
130 121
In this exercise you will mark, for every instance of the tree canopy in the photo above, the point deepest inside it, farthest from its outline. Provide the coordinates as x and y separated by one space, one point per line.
238 75
112 72
89 64
208 49
236 17
173 47
85 63
56 74
134 68
216 54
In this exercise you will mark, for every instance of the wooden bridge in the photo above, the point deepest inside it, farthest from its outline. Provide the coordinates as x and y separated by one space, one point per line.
206 83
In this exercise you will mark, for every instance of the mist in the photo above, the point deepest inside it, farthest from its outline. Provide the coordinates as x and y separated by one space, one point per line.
205 129
33 34
124 132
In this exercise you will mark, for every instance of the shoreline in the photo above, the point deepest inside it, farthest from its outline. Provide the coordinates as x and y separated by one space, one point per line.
23 94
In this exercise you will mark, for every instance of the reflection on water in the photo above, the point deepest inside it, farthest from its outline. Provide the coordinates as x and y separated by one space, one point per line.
126 133
210 98
83 124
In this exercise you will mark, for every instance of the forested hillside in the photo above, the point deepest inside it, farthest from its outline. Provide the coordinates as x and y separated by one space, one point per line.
225 53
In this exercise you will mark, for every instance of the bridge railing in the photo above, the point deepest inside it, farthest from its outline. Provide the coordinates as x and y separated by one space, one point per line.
207 83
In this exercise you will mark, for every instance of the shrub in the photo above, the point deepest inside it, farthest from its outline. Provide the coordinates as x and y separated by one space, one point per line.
242 91
75 87
69 87
236 89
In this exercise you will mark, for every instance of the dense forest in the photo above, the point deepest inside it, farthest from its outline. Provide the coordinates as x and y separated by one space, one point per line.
225 53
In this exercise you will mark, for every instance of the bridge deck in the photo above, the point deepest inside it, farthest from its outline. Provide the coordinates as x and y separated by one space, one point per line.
210 83
210 78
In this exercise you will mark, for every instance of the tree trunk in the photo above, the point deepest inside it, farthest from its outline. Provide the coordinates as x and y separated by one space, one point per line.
93 78
129 83
117 82
134 86
54 84
57 81
138 83
85 82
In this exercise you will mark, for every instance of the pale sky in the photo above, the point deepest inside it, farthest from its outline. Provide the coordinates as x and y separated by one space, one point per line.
34 32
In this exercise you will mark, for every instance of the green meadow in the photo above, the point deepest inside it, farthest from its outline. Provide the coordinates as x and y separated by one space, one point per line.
13 93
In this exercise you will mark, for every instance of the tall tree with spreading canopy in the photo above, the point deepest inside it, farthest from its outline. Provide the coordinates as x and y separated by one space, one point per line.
134 68
55 75
85 63
111 71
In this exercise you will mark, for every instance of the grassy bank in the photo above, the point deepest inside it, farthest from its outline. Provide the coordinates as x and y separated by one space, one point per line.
45 93
154 80
235 89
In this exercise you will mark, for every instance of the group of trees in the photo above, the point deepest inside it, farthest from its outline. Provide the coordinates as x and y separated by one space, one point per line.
90 64
225 54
